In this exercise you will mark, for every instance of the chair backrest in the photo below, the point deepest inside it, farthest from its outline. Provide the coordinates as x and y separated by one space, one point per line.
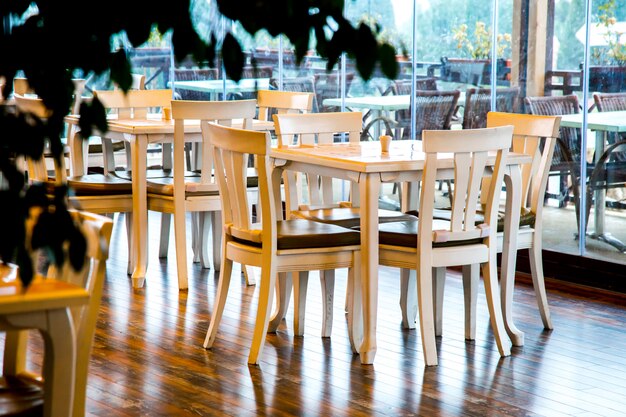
478 104
134 103
139 82
568 150
610 101
261 71
231 149
434 110
21 86
309 129
37 168
222 112
298 85
328 85
535 136
403 87
186 74
471 150
283 102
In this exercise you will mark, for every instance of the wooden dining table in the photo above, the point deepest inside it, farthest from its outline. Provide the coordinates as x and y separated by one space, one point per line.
139 133
44 306
364 164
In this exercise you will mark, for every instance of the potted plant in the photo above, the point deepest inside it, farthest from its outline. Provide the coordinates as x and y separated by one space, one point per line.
49 44
473 65
607 72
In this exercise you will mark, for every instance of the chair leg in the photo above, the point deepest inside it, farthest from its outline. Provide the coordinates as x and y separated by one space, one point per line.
166 220
266 295
283 290
355 311
299 302
427 322
217 230
128 217
14 362
349 289
327 279
196 227
205 228
220 301
471 276
180 238
439 283
536 269
408 297
492 292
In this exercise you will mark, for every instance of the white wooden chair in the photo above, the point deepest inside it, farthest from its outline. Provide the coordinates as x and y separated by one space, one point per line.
95 193
277 246
429 245
281 102
97 231
535 136
180 194
313 197
134 104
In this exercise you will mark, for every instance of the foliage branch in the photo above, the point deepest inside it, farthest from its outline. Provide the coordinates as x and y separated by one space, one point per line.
61 38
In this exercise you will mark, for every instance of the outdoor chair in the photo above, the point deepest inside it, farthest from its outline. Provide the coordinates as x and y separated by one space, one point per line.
478 104
187 74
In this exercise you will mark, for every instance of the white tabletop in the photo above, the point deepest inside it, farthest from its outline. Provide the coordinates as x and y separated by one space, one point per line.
217 86
612 121
384 103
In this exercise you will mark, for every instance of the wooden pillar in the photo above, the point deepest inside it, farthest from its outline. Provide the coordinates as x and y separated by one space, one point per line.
519 46
537 46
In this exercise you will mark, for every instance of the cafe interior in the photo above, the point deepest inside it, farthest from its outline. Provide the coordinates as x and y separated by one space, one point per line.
453 236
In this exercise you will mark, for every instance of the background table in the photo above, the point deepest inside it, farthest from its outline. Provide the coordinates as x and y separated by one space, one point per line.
215 87
602 123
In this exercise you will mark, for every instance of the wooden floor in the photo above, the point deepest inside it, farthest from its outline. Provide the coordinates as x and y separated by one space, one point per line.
148 358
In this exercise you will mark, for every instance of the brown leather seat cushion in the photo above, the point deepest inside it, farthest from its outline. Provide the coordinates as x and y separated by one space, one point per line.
348 216
20 397
165 186
163 177
98 184
405 234
153 173
302 234
527 217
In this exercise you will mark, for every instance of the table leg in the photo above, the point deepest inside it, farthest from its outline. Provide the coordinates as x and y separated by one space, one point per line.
59 364
513 183
369 187
600 194
600 201
139 149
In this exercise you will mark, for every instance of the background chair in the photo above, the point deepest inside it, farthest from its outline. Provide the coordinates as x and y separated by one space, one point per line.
180 194
315 198
429 245
95 193
478 104
277 246
434 111
21 392
186 74
567 154
272 102
298 85
328 85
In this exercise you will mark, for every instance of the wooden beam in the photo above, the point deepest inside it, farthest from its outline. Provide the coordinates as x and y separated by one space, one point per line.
537 45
